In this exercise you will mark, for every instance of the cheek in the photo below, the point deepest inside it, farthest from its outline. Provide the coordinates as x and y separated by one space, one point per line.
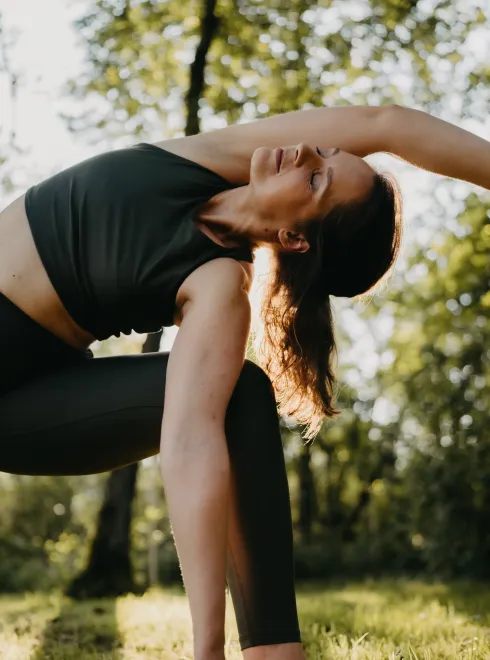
292 189
284 196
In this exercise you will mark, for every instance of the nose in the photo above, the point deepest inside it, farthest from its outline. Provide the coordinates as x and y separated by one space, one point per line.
298 151
299 154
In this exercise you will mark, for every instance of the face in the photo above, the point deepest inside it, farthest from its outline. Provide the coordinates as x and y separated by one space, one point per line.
308 185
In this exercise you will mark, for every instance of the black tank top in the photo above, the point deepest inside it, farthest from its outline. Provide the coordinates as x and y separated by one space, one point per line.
117 239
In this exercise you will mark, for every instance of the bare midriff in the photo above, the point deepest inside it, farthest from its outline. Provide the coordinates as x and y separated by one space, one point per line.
24 281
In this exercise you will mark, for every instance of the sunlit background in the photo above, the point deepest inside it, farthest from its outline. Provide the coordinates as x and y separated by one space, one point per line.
400 482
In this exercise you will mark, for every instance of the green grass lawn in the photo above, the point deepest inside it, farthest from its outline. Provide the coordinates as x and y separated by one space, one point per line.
402 620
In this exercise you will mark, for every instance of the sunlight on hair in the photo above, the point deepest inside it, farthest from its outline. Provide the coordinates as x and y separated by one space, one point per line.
262 265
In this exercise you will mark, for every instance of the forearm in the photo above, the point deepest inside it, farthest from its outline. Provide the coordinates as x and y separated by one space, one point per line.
436 145
196 475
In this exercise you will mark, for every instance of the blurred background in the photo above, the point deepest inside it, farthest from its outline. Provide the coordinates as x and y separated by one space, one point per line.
399 484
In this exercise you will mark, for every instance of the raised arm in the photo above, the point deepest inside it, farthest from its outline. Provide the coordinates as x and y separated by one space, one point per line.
356 129
436 145
411 135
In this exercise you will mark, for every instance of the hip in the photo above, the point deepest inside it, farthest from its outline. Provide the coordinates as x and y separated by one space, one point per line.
28 350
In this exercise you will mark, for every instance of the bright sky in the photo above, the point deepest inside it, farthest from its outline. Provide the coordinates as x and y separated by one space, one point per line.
46 55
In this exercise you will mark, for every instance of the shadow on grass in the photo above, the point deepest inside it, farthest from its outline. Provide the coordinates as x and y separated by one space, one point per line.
88 626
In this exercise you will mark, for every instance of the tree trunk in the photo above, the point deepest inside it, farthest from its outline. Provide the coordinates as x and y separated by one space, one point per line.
209 26
109 571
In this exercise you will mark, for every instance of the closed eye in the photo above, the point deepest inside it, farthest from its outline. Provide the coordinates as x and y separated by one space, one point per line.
315 172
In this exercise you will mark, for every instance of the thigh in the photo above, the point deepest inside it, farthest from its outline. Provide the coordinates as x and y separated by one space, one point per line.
91 416
95 415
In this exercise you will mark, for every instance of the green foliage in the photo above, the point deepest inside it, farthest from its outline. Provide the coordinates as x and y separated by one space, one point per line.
442 363
265 59
362 520
42 530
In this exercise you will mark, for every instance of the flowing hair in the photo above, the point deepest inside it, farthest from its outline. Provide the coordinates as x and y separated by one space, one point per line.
293 337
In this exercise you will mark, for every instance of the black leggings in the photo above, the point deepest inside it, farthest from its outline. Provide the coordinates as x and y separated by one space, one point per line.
63 412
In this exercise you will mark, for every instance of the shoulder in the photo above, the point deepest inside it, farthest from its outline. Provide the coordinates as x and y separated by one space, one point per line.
214 150
217 281
223 276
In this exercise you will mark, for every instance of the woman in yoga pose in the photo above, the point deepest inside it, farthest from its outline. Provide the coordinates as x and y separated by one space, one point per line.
161 234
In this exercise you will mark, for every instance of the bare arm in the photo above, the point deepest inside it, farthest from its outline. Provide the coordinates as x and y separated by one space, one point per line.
411 135
203 368
356 129
436 145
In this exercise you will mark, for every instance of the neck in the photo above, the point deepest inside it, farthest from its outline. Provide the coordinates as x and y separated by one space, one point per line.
231 216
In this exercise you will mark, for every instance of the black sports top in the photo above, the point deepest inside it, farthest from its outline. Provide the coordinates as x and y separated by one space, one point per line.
117 238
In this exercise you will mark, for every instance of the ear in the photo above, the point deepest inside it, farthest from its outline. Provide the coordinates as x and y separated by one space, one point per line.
293 241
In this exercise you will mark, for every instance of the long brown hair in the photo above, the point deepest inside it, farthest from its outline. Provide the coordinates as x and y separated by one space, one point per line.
351 250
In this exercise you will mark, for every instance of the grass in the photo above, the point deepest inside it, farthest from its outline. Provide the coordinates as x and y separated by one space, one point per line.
399 620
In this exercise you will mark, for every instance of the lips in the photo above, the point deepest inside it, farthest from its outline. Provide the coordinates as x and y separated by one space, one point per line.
279 153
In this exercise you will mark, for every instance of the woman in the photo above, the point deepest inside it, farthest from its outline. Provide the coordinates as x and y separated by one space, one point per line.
164 233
